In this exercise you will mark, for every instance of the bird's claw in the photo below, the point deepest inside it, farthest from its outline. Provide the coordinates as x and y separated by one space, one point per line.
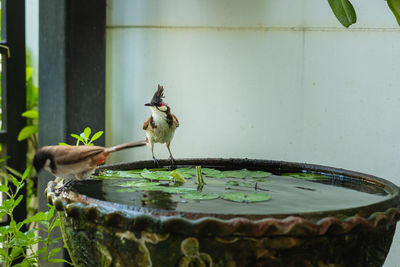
68 185
156 162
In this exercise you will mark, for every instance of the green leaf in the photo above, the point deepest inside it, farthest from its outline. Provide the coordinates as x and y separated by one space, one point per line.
63 144
306 176
245 197
96 136
14 172
241 184
87 132
210 172
31 114
156 175
188 172
177 190
142 183
344 11
15 181
26 173
54 251
78 138
50 214
111 174
178 176
42 250
3 253
16 251
394 6
200 196
4 188
27 131
16 203
8 203
38 217
128 189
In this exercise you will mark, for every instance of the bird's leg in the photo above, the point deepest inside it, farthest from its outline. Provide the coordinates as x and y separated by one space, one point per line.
170 155
68 185
152 153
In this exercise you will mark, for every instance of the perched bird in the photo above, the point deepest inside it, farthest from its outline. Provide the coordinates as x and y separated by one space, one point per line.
75 162
161 125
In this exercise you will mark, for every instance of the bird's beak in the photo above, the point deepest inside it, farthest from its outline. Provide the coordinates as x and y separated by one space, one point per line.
148 105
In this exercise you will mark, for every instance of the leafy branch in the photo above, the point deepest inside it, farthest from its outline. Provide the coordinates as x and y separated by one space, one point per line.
85 138
17 245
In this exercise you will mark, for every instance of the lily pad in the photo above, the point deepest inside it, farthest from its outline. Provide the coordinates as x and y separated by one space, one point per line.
188 172
240 183
243 174
178 190
209 172
137 183
111 174
128 189
306 176
200 196
178 177
157 175
245 197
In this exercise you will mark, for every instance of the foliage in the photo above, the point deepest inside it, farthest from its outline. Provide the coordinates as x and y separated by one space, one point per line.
394 6
17 245
30 132
182 181
345 13
31 114
85 137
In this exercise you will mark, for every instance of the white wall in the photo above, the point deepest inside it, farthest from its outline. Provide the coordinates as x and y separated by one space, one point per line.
272 79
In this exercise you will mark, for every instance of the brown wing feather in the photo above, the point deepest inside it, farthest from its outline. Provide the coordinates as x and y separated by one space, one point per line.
175 120
73 154
146 123
149 123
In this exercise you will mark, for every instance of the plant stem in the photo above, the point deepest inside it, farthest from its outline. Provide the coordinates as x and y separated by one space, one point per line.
199 176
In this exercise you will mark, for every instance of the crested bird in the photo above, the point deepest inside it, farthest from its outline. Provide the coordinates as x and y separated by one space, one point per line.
74 163
161 125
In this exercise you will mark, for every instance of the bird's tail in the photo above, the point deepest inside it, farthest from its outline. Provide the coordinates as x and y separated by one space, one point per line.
126 145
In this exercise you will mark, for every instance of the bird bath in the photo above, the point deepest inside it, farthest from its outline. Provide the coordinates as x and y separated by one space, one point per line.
333 217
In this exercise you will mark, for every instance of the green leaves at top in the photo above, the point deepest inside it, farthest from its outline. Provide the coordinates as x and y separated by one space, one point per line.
306 176
394 6
344 12
85 138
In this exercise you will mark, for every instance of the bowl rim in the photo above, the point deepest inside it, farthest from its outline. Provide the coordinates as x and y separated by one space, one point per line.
384 212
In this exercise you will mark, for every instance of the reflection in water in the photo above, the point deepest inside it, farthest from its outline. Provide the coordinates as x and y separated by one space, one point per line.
158 200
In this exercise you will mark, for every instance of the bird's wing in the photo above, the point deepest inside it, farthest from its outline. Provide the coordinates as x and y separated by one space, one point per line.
175 119
148 123
74 154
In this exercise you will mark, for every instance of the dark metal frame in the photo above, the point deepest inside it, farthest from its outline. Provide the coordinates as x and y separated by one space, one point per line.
71 73
13 88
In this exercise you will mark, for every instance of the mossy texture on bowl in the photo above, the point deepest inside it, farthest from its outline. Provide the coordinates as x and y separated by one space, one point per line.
103 233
